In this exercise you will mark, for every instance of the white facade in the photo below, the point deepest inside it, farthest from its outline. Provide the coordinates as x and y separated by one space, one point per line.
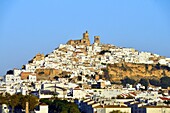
42 109
79 94
9 78
158 109
32 78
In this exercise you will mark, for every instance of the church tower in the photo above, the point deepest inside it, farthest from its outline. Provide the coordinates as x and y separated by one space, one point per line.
86 35
85 39
96 40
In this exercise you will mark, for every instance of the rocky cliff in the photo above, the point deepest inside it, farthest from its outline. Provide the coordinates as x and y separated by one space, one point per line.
118 71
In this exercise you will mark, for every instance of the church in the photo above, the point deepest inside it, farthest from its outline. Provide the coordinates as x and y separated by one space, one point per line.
84 41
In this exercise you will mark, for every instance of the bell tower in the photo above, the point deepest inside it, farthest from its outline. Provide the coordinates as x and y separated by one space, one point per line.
85 39
97 40
86 35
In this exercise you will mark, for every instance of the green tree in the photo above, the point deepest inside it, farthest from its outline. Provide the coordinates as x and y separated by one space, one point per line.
165 82
158 66
154 82
61 106
144 82
47 101
5 98
31 99
128 80
2 99
13 101
73 108
117 111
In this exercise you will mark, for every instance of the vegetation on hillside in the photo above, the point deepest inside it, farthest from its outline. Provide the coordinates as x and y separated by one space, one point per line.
163 82
18 101
60 106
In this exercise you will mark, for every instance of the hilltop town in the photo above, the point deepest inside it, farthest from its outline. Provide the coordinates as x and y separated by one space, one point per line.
80 58
94 75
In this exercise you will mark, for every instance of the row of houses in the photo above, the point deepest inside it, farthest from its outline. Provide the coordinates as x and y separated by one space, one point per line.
101 99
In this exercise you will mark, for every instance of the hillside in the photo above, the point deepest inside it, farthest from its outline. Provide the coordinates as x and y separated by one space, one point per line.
80 57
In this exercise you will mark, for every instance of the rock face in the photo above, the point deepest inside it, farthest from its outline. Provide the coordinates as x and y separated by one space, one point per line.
118 71
47 73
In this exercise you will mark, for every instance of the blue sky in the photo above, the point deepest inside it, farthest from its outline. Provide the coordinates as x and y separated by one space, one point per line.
31 26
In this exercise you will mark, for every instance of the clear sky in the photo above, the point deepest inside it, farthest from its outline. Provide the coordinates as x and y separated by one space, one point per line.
31 26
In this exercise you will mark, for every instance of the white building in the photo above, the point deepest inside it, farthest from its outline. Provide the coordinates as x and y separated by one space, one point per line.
32 78
9 78
42 108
